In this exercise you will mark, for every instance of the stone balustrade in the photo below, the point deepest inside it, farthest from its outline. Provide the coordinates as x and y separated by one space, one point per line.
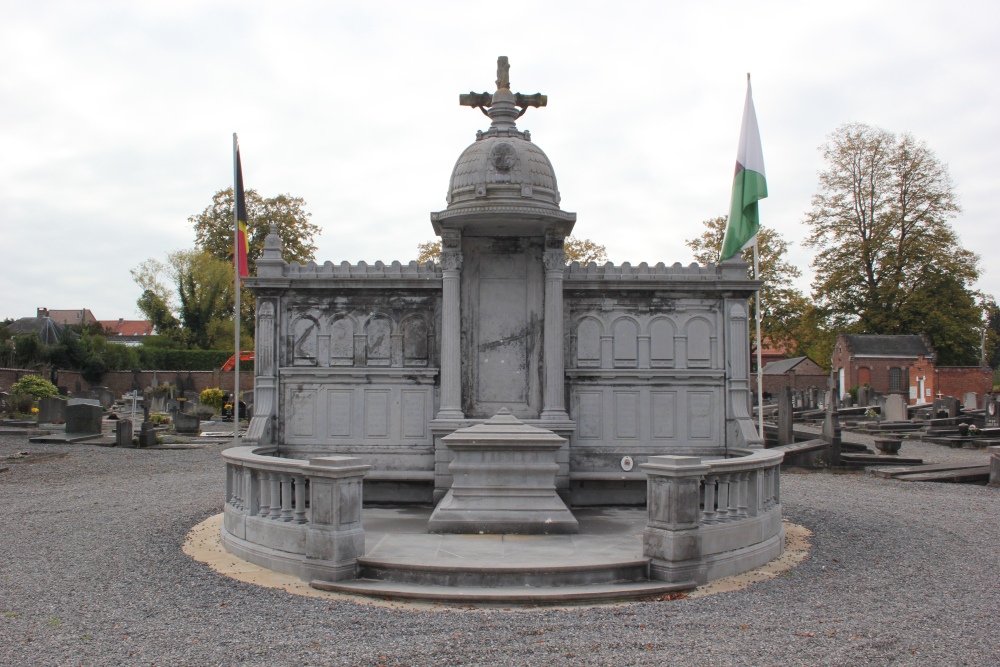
293 516
713 518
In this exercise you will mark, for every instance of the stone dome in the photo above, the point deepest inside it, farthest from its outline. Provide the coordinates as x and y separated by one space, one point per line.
503 167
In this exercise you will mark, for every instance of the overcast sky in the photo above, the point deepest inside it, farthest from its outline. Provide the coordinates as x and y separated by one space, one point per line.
116 119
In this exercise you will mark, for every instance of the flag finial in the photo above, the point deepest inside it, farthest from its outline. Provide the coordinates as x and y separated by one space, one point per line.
748 77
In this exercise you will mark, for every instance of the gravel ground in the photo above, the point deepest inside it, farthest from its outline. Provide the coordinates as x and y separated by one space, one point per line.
92 573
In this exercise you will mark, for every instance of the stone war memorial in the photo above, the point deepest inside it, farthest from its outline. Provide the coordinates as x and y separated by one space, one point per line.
505 393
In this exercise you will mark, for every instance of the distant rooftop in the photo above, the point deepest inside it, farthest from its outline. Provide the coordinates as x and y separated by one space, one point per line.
862 345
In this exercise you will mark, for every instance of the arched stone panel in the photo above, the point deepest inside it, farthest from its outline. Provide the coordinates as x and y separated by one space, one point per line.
378 333
304 341
342 341
588 343
415 346
625 346
661 343
699 343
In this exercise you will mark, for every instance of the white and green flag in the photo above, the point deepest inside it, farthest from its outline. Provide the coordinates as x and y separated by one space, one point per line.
749 186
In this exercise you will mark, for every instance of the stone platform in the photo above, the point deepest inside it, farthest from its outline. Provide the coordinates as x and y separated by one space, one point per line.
602 562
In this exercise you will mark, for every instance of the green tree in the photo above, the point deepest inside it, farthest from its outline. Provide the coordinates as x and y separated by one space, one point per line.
190 297
214 227
887 255
781 303
584 251
992 332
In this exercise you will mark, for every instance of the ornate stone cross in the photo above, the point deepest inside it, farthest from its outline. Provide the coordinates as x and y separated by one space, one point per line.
484 100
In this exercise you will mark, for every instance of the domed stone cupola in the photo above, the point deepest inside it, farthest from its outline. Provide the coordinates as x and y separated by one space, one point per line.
503 174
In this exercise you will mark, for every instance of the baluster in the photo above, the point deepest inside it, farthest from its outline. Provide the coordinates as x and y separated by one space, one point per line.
743 506
300 499
708 513
275 483
777 485
734 496
286 497
245 489
229 483
723 499
237 491
264 485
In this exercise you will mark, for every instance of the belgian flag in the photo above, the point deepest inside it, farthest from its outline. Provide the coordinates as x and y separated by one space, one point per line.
242 238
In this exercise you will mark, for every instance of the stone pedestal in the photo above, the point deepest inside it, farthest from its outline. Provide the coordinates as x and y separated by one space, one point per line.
672 540
185 423
335 538
147 435
503 481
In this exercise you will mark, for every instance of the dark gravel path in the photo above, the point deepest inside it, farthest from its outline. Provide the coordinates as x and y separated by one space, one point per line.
92 573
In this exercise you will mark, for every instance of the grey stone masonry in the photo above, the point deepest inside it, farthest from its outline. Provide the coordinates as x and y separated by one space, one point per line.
503 481
785 416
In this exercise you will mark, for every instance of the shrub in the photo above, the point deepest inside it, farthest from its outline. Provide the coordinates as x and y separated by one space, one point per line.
34 385
158 419
212 397
20 403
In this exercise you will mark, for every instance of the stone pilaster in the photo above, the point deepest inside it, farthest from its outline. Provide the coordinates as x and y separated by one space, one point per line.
554 396
451 328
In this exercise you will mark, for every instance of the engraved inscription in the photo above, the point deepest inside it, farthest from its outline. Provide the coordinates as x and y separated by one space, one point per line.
414 413
303 413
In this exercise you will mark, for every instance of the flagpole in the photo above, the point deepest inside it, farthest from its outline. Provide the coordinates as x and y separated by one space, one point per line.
760 370
236 273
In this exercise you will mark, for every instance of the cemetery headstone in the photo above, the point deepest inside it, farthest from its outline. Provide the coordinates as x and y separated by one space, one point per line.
847 401
147 435
186 423
51 410
785 416
832 433
83 417
895 409
992 405
946 406
104 395
863 396
123 433
970 401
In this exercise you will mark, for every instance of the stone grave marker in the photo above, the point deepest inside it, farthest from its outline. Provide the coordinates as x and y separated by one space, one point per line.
785 416
83 417
51 410
105 396
123 433
186 423
992 405
847 401
970 401
895 409
946 406
863 396
147 435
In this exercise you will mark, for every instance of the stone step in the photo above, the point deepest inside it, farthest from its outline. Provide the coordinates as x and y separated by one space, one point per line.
933 467
490 576
512 595
878 459
967 476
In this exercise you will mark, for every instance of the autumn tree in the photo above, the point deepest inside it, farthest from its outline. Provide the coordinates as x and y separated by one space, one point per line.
888 260
189 298
214 227
584 251
781 303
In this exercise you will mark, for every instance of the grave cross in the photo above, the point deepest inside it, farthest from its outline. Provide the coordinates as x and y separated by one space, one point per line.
484 100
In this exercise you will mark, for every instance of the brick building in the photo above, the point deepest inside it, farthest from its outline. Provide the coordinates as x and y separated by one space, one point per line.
903 365
798 373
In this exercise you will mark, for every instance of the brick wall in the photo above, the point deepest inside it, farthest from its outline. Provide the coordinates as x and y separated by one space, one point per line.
774 383
957 380
120 382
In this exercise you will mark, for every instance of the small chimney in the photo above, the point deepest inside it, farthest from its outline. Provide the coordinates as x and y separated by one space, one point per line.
43 312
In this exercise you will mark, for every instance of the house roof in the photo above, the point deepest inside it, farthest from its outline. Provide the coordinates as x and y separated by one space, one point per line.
45 327
782 365
862 345
122 327
80 316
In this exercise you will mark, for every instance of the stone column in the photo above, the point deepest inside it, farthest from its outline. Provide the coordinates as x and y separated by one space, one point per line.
451 328
673 540
554 397
335 537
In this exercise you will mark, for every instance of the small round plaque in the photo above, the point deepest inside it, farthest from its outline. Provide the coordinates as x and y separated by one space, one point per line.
627 463
503 157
